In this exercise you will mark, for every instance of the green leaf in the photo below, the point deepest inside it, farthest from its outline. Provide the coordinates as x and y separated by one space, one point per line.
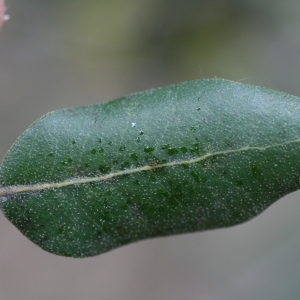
194 156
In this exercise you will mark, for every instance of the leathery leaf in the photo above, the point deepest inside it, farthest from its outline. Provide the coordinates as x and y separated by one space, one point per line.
189 157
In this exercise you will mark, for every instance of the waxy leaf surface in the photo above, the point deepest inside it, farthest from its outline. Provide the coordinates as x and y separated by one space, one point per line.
194 156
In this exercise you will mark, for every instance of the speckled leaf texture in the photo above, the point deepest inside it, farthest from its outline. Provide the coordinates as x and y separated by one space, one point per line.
189 157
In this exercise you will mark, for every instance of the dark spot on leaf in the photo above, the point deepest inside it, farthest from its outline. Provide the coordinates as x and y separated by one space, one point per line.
122 148
184 149
61 230
27 220
172 151
73 142
101 150
141 132
105 168
94 151
134 156
149 149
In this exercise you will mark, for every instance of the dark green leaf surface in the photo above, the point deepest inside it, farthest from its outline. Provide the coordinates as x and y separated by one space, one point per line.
193 156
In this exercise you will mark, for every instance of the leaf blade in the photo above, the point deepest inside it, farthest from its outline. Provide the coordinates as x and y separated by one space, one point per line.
194 156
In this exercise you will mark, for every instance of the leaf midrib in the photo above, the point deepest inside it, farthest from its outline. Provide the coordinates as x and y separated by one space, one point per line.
12 190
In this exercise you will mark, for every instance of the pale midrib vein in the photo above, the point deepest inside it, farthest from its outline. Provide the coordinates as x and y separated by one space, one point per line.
11 190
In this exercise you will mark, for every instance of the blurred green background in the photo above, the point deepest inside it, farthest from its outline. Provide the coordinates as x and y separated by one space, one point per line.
56 54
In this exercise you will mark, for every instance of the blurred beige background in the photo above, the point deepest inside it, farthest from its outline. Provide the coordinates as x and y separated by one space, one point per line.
64 53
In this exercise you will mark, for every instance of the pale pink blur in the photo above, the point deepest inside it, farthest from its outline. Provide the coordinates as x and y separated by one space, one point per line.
2 13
